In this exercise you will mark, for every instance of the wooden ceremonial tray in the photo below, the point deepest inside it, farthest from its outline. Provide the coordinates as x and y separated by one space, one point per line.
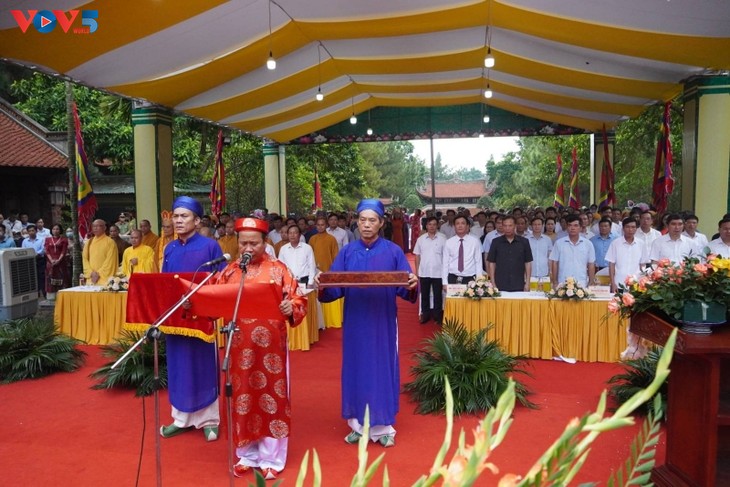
363 279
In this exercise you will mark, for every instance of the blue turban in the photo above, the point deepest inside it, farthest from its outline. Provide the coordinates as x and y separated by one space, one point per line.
188 203
371 204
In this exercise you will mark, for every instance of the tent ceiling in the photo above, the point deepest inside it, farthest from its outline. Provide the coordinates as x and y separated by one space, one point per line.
578 63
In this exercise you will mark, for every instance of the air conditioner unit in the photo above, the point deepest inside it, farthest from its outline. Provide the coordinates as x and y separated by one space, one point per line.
18 284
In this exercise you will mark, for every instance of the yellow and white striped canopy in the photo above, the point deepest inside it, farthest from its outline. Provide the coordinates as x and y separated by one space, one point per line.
582 63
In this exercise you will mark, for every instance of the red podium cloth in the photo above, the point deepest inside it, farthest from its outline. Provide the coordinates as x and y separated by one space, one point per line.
151 295
258 301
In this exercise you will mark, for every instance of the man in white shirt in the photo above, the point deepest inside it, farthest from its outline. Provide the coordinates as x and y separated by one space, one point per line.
625 257
690 231
673 246
275 234
462 260
573 256
646 232
497 232
721 245
429 251
298 257
607 212
541 247
447 228
41 231
335 230
477 229
585 221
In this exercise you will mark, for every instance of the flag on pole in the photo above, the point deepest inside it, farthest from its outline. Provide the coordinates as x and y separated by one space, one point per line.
218 185
608 193
559 200
574 201
317 191
663 180
86 204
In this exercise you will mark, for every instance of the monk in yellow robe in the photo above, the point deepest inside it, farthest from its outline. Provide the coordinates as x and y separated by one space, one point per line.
149 238
229 241
99 255
138 257
167 236
325 250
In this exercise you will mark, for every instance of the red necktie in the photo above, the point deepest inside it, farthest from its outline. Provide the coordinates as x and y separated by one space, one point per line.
461 255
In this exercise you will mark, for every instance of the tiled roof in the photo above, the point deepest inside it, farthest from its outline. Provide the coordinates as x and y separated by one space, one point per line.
24 143
455 189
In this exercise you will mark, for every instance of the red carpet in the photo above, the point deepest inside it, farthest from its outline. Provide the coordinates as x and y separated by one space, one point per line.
57 431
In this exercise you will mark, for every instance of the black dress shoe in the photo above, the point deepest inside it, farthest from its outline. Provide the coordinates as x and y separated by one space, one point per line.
423 319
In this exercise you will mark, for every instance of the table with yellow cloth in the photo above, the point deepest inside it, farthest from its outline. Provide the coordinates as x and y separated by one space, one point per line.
530 324
96 317
89 314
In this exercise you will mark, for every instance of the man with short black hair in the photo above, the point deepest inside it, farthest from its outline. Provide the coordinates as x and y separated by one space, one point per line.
333 220
462 256
429 250
509 262
673 246
447 227
690 231
602 241
721 245
646 232
573 256
541 246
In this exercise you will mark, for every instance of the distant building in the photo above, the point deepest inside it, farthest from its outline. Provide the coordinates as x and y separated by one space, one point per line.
33 167
454 193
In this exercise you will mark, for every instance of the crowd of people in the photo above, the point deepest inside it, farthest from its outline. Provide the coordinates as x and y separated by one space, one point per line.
511 247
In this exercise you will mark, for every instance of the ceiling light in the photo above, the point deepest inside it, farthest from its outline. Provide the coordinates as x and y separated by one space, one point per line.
486 119
489 60
488 92
271 62
353 119
370 131
319 96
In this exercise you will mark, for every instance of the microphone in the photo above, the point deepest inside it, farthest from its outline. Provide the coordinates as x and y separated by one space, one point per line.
246 258
222 258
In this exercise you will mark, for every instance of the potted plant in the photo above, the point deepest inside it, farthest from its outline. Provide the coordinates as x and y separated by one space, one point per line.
695 292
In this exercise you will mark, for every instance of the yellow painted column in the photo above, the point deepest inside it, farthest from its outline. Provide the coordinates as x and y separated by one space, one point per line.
153 180
706 150
275 178
599 158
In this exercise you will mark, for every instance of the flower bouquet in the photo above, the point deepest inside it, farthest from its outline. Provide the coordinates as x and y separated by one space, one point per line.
480 288
672 289
569 290
117 283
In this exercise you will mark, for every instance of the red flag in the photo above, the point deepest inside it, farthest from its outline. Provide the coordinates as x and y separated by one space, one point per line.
86 205
218 185
574 196
559 200
608 193
663 180
317 192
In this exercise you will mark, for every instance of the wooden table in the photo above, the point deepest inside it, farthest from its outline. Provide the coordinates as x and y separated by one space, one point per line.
96 317
530 324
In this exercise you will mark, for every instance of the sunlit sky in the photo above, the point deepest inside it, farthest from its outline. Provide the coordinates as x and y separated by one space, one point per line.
465 153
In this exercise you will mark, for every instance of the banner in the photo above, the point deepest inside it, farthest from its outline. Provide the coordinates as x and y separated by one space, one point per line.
218 185
86 204
559 200
574 191
317 192
608 193
663 180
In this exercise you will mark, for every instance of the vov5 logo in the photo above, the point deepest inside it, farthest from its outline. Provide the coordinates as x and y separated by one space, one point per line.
45 20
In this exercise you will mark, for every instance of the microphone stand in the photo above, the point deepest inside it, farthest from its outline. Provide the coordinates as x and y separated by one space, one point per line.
154 334
230 330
